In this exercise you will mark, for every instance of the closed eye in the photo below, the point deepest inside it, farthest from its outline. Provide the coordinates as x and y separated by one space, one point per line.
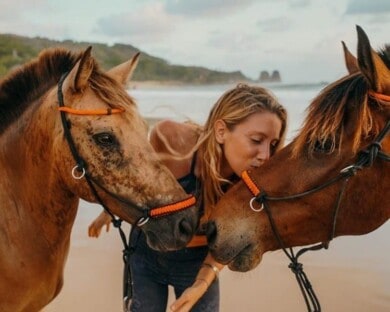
256 140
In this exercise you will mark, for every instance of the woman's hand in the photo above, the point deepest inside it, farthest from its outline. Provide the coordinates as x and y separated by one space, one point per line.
190 296
96 226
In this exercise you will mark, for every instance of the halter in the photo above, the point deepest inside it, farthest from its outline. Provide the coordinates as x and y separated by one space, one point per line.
81 166
365 159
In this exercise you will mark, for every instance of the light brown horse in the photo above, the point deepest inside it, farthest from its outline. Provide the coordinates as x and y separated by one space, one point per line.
38 194
332 180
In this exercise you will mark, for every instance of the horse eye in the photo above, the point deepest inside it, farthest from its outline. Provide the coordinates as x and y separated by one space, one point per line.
323 146
105 139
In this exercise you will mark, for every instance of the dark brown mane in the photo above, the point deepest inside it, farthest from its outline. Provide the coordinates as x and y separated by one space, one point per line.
385 55
31 81
329 112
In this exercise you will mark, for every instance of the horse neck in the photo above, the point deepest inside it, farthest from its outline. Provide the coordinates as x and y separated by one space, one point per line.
31 188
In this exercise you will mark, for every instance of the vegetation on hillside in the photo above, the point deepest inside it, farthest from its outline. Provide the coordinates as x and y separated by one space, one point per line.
16 50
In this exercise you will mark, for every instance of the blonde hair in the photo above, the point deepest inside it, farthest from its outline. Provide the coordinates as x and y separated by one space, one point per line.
233 107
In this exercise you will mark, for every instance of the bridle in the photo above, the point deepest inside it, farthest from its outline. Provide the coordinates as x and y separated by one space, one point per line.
82 169
365 159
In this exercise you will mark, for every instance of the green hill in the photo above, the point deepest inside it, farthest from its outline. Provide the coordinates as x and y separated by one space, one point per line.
16 50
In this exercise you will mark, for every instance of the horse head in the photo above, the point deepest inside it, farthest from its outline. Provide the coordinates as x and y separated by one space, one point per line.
68 130
331 180
110 151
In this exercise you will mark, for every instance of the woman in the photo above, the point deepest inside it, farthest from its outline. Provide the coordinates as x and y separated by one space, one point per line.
245 128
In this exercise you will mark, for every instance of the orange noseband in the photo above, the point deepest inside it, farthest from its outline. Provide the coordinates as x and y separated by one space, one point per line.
172 208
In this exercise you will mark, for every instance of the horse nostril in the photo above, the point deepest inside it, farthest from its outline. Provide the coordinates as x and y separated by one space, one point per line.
185 227
211 232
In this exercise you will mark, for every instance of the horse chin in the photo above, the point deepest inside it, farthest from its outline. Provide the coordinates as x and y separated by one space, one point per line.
163 244
246 260
155 242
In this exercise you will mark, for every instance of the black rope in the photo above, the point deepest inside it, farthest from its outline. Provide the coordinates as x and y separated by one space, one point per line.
127 277
79 161
308 293
305 286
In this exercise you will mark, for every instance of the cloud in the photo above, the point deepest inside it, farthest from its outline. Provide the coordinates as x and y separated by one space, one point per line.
368 7
276 24
234 41
22 18
205 7
299 3
15 10
149 23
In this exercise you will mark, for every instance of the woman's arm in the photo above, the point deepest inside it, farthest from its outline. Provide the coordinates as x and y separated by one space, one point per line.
207 274
94 229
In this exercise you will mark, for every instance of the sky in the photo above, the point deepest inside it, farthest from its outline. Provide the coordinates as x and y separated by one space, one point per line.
300 38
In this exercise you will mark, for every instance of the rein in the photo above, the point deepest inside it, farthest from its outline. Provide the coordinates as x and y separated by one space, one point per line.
365 159
81 167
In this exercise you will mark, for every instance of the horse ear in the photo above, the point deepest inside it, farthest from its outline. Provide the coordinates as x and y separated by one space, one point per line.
77 79
350 60
371 65
123 72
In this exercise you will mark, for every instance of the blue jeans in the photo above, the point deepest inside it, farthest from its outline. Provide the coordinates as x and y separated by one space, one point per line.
153 271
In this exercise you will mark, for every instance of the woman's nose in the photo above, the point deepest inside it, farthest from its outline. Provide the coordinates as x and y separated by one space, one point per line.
264 152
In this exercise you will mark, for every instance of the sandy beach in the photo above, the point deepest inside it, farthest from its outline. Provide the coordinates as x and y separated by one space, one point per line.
93 278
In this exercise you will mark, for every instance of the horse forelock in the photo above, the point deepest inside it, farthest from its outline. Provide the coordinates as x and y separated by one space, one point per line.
110 91
329 113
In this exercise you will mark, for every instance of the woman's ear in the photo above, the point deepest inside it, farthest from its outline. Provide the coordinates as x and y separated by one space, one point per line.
220 129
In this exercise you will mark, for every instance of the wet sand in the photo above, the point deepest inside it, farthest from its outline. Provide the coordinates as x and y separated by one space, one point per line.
358 281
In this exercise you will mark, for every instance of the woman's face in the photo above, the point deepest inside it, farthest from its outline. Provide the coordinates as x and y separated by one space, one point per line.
250 143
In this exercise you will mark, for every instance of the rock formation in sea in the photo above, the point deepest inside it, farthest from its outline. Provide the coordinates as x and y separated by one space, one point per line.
266 77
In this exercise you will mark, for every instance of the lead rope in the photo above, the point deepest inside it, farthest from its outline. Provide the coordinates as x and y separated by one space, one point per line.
308 293
296 267
127 277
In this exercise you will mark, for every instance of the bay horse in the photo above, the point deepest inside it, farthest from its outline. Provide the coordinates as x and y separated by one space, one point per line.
50 121
333 179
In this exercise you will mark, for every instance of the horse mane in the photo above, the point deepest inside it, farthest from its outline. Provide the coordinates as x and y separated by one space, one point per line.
327 115
28 83
385 55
